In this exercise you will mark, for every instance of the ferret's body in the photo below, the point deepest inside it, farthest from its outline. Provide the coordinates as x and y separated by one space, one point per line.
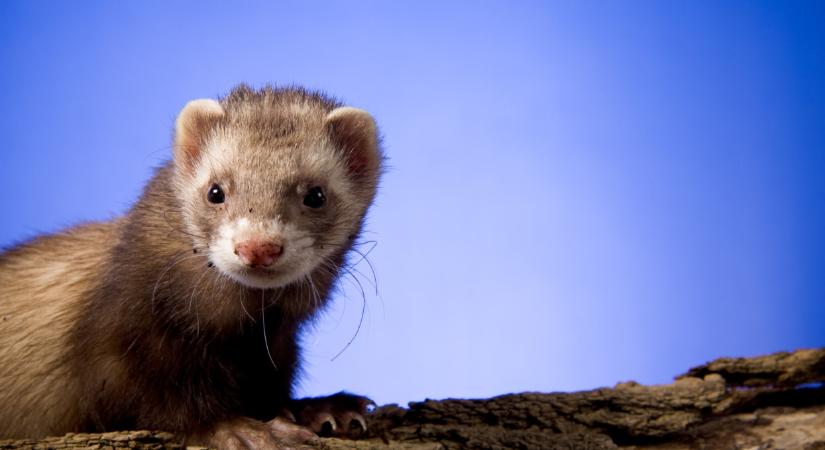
184 314
43 286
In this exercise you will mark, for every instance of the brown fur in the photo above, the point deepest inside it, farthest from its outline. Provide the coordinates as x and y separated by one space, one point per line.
124 324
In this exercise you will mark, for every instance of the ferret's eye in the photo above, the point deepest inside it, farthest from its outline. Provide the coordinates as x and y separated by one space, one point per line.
215 194
315 197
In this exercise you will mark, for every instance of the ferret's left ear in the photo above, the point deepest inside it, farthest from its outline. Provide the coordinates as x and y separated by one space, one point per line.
353 130
194 122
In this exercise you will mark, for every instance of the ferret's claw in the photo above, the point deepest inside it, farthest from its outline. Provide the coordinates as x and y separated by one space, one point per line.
355 423
324 424
339 415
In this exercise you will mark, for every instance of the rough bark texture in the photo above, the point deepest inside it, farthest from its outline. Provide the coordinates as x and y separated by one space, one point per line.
768 402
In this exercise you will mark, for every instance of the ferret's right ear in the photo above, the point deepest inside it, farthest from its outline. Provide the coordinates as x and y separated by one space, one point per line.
194 122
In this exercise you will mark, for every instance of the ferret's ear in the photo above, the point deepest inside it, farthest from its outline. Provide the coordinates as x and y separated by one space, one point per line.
354 132
194 121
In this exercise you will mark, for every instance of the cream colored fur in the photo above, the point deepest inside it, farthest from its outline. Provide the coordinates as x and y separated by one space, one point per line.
41 289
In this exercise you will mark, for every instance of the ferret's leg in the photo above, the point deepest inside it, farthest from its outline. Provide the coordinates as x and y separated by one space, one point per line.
340 415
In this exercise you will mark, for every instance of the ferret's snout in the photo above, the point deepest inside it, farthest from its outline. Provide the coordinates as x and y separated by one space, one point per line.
258 253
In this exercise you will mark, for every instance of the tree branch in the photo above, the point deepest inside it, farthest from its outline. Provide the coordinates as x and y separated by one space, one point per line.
774 401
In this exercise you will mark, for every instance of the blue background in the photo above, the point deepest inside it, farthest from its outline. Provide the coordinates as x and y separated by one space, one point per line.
579 193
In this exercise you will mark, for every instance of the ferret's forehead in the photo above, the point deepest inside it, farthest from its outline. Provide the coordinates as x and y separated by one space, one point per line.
268 125
265 121
247 151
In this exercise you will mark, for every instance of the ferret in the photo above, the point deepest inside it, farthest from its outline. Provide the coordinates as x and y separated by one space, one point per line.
184 314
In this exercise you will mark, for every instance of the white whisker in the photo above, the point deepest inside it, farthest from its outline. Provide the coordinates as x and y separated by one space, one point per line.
263 327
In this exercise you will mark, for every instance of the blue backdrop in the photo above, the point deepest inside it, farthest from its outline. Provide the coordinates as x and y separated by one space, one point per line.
580 193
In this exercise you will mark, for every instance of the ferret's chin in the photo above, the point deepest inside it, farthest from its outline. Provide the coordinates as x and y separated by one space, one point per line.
257 280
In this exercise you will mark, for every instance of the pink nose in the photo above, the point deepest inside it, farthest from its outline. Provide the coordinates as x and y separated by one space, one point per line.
256 253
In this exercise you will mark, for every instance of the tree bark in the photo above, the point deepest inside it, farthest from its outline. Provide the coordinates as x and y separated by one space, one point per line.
774 401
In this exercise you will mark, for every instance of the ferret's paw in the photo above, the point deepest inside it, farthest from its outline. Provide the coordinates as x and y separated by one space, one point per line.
340 415
250 434
290 432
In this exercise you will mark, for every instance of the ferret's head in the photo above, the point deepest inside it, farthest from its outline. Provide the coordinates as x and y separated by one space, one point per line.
274 183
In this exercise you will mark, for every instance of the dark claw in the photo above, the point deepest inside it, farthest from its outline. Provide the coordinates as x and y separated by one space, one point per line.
327 428
357 426
340 415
